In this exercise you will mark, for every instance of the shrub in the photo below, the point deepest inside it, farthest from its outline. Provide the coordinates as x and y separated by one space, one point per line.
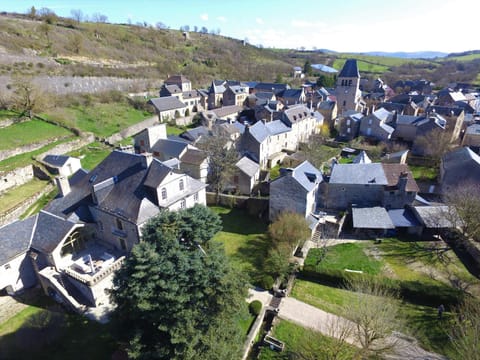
266 282
255 307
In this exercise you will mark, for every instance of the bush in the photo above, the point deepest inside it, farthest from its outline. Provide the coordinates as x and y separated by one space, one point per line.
255 307
266 282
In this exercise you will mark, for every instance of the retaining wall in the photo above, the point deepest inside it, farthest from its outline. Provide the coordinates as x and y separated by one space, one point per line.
15 177
131 130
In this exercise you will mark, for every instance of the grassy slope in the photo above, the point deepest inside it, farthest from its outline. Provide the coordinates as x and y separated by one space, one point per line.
29 132
17 195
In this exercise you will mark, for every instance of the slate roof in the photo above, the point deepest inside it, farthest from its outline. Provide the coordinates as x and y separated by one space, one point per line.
358 174
324 68
237 89
434 217
226 110
168 90
407 119
371 218
296 113
217 87
277 127
259 131
307 175
195 133
392 173
473 129
177 79
156 173
459 166
56 160
271 87
166 103
50 229
247 166
168 148
383 114
389 106
349 69
190 94
15 238
193 156
291 93
403 218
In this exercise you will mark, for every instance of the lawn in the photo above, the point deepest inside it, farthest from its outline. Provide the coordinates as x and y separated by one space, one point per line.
39 204
102 119
92 154
344 256
26 158
30 132
8 114
423 172
298 339
419 321
243 237
11 198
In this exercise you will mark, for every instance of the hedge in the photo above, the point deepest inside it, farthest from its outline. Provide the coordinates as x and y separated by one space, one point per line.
255 307
417 292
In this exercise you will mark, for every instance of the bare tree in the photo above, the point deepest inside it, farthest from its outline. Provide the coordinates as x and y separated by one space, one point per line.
24 96
222 157
160 25
464 208
77 15
374 313
100 18
465 330
434 144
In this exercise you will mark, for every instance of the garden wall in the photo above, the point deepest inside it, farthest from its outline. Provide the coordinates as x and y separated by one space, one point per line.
131 130
254 206
64 148
15 177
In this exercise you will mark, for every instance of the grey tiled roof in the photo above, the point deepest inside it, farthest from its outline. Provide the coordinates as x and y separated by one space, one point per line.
473 129
434 217
361 158
193 156
247 166
371 218
358 174
259 131
56 160
307 175
407 119
403 218
49 231
168 148
156 173
15 238
297 113
166 103
195 133
227 110
277 127
349 69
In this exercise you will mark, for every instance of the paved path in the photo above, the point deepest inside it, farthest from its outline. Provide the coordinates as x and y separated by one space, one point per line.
331 325
259 294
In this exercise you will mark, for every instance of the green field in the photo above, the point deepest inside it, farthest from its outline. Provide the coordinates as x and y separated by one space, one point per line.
244 240
102 119
30 132
424 173
14 197
92 154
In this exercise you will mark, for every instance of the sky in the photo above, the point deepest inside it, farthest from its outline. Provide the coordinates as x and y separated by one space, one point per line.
339 25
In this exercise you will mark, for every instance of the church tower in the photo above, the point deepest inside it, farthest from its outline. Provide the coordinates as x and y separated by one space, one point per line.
348 92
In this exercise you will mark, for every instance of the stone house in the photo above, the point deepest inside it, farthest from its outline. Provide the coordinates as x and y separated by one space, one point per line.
246 176
329 111
16 269
180 81
235 95
454 117
295 191
388 185
168 108
215 94
82 236
376 125
292 96
459 167
406 127
61 164
425 126
348 125
229 113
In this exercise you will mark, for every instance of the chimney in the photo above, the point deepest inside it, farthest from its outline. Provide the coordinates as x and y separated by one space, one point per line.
402 181
63 185
146 160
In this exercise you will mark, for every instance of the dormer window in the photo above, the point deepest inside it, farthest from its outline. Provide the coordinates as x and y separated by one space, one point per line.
119 224
164 194
181 185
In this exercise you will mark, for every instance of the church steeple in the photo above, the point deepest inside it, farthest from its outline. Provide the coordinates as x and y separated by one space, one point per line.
348 92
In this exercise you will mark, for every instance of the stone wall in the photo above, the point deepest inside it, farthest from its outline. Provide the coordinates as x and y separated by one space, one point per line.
64 148
5 154
254 206
15 177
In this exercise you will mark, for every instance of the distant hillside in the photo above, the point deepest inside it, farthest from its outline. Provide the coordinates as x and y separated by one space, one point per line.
409 55
63 47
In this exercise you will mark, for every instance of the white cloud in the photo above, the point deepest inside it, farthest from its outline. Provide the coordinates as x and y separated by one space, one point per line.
204 17
222 19
259 21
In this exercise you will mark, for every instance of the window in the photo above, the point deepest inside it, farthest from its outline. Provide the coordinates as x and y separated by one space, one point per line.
119 224
164 194
195 197
181 185
183 204
123 243
142 142
349 82
344 103
369 121
348 130
7 266
73 244
348 121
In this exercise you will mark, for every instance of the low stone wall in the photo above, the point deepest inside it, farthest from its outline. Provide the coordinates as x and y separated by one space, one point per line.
5 154
15 177
64 148
17 211
131 130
